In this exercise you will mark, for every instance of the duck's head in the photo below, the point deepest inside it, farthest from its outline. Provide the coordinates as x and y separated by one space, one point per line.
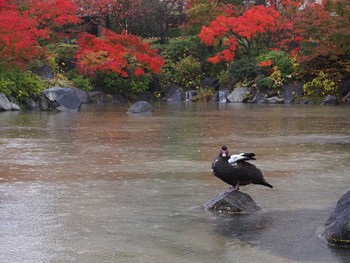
224 151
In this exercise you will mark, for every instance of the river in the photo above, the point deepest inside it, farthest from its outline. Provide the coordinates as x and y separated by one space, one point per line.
103 186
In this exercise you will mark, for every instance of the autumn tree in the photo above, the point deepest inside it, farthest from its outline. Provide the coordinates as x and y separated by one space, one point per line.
124 55
249 32
24 25
324 29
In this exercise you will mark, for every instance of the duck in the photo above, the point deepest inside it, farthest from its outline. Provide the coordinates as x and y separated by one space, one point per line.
236 171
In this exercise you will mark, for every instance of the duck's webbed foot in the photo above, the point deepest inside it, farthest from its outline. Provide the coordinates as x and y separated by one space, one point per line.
234 187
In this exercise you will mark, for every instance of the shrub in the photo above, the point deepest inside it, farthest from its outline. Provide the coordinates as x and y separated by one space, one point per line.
187 72
204 94
21 85
279 60
320 86
244 70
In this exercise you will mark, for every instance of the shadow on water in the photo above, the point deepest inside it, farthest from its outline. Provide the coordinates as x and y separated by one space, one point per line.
293 235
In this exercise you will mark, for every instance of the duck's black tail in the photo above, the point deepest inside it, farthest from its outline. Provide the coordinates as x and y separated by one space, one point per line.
266 184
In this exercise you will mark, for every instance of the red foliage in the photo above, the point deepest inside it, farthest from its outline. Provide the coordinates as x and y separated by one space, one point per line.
240 31
123 54
267 63
23 24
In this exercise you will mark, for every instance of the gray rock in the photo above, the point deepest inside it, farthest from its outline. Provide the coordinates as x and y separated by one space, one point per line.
63 99
330 100
6 104
232 202
291 92
241 94
337 231
174 93
275 100
44 72
141 107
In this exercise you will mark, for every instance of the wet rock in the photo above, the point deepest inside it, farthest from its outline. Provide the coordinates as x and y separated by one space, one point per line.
174 93
291 92
6 104
44 72
232 202
337 231
275 100
63 99
222 96
241 94
141 107
330 100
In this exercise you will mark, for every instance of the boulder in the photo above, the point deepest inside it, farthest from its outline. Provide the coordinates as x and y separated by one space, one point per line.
232 202
292 91
63 99
6 104
241 94
174 93
337 231
330 100
141 107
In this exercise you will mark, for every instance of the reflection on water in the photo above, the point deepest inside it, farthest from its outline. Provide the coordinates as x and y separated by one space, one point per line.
104 186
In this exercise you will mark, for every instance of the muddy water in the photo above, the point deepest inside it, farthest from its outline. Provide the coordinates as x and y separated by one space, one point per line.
103 186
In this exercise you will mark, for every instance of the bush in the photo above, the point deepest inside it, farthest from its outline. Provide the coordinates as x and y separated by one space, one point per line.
244 70
279 60
187 72
62 57
204 94
320 86
21 85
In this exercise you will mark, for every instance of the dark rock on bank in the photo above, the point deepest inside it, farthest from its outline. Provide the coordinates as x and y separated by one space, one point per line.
6 104
232 202
63 99
337 231
140 107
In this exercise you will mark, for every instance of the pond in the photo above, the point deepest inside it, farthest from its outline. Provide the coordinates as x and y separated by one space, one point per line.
103 186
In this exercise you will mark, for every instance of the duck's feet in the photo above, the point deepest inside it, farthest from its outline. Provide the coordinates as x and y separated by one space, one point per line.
234 188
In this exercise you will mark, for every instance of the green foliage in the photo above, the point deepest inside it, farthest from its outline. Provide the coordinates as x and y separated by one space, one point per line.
263 82
21 85
62 56
280 60
320 86
79 81
187 72
110 82
244 70
204 94
178 48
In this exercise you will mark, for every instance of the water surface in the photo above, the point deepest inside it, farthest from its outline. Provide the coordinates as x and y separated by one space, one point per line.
104 186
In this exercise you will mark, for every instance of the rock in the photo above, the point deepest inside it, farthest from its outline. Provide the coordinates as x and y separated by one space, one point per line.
174 93
338 225
275 100
30 104
63 99
330 100
6 104
291 92
210 83
241 94
141 107
222 96
232 202
190 95
44 72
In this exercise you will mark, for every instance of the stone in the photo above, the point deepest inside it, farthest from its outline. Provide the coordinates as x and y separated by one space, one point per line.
337 230
330 100
241 94
141 107
232 202
174 93
63 99
6 104
292 91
